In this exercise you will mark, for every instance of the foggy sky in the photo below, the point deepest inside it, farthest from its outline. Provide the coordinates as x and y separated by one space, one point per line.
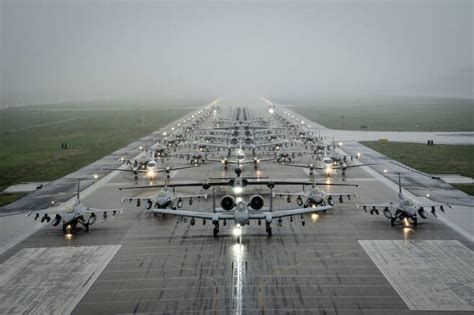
54 51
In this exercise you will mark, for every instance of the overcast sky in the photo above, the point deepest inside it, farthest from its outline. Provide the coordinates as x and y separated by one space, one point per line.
71 50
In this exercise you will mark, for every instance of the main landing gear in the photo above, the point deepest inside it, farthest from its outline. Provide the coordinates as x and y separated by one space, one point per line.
216 229
268 228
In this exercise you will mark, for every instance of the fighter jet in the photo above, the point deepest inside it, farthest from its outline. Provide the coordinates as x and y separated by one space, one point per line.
164 199
404 208
328 166
72 215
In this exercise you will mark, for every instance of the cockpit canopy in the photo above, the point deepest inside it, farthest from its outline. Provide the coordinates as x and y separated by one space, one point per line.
408 202
161 194
151 164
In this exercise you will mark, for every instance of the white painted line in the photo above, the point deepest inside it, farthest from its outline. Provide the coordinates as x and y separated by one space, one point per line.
50 280
428 275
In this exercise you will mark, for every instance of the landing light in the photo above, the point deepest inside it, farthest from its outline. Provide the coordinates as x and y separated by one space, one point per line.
340 143
385 171
358 154
238 190
140 147
405 221
314 217
237 231
271 111
96 176
68 236
164 133
427 195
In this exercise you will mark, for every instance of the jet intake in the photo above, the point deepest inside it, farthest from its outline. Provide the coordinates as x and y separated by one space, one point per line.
228 202
256 202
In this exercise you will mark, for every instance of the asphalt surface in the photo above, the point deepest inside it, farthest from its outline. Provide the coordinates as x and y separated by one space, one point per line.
335 263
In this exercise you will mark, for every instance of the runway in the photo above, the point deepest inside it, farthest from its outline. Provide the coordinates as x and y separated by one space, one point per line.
155 264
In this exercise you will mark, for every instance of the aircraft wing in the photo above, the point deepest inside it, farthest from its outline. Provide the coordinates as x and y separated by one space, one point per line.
316 167
181 184
198 214
288 213
259 160
175 168
352 165
189 196
261 145
433 204
377 205
299 193
217 160
130 199
343 195
94 210
118 169
49 211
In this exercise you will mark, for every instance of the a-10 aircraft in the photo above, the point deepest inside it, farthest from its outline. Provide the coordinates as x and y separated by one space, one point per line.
233 206
404 208
71 216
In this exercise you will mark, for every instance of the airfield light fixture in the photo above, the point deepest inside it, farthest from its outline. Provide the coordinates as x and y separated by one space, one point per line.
140 147
358 155
172 128
96 176
385 170
52 202
302 122
428 195
271 111
164 133
340 143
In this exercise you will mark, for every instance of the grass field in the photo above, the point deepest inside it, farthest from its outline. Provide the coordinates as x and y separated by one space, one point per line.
437 159
31 137
450 117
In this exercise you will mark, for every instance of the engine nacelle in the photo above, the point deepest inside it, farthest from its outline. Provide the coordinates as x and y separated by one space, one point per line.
179 203
228 202
256 202
148 204
92 219
330 201
56 220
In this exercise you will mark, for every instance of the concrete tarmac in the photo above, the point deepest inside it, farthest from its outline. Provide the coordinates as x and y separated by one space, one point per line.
332 264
